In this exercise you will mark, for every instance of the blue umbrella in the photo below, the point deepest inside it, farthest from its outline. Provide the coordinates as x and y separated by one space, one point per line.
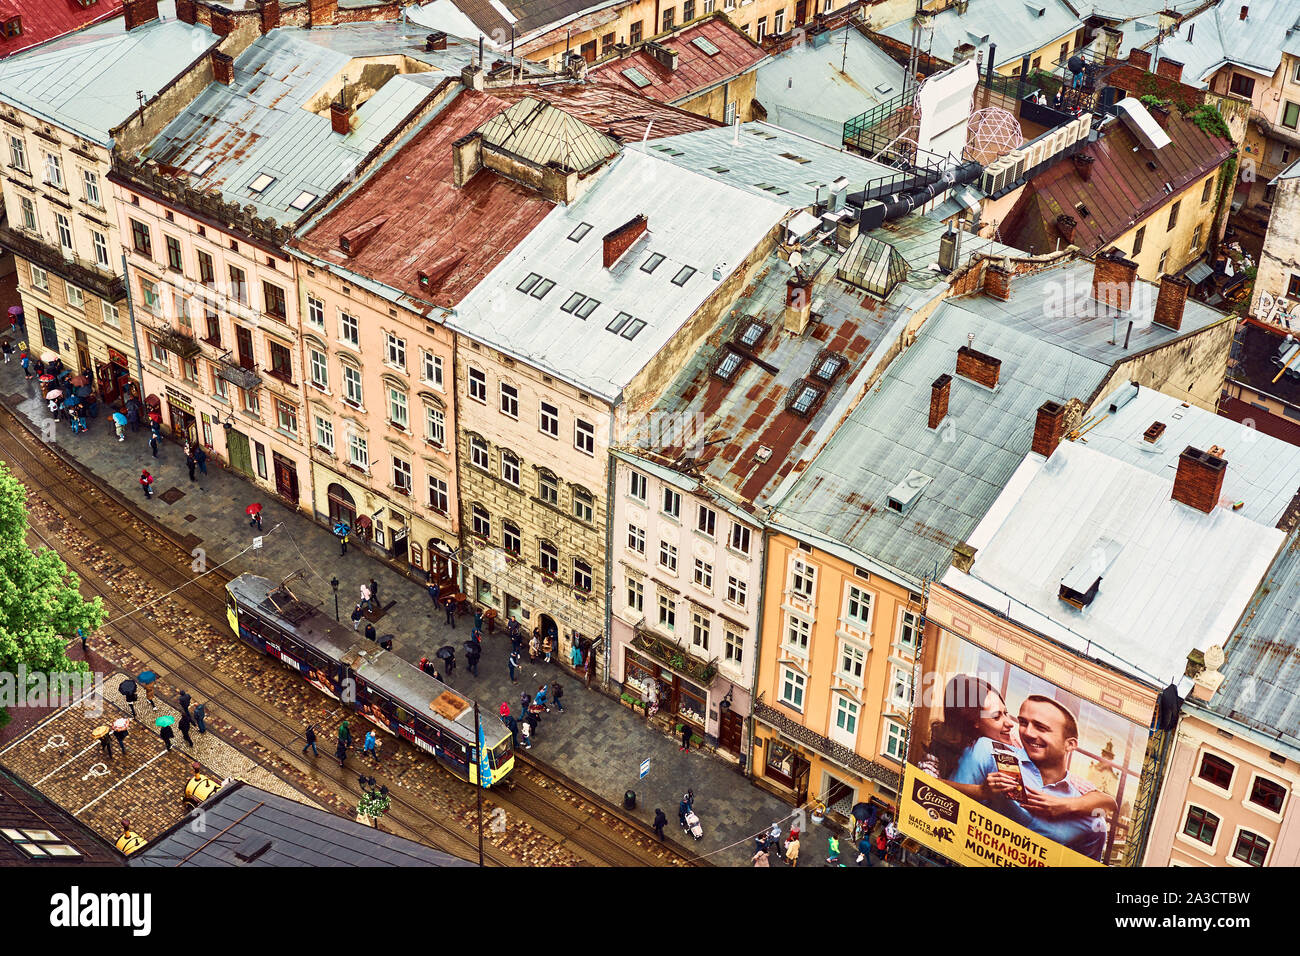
340 529
146 677
71 400
119 418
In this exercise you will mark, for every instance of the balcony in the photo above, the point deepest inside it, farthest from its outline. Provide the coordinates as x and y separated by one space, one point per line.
840 754
238 375
174 340
675 656
79 272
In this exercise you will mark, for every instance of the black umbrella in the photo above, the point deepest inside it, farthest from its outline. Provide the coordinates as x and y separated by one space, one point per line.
446 652
126 688
473 647
1075 64
861 811
85 390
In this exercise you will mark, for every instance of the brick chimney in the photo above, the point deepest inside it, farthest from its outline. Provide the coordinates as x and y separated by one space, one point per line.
979 368
186 11
435 42
1139 58
997 281
340 118
223 67
270 15
1048 427
221 24
939 399
1199 480
1112 280
1170 69
1170 301
1083 166
322 12
139 12
1245 11
1065 225
798 302
1161 115
618 241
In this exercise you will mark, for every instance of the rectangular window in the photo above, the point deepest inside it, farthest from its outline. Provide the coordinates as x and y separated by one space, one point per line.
481 522
857 607
706 520
173 247
99 243
478 454
509 400
315 311
895 743
110 314
214 327
688 11
238 285
667 612
778 21
435 426
737 591
550 558
402 475
846 716
29 214
1196 236
667 556
54 170
762 29
358 454
1207 190
397 409
1164 259
1268 794
733 647
64 226
909 631
395 351
40 279
792 687
1201 825
803 579
438 495
582 505
900 688
140 239
798 633
207 271
509 469
1173 215
260 454
635 595
286 417
636 486
1291 115
581 575
431 368
1216 771
636 539
549 420
584 436
18 153
852 661
511 540
478 385
704 574
325 433
548 488
281 361
1242 85
352 385
739 538
1137 240
319 365
1251 848
149 291
349 329
700 630
672 503
669 16
75 297
274 300
634 33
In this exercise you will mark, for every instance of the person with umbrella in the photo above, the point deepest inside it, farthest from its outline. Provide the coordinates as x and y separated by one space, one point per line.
146 482
341 532
472 653
164 725
128 692
120 732
119 425
147 678
254 511
101 733
448 654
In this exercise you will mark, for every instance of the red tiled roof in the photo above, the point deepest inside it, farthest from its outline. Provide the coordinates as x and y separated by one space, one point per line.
456 236
696 70
47 19
1261 420
1123 190
612 109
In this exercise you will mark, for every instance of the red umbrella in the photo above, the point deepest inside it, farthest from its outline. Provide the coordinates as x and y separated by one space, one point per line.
46 377
253 509
155 417
78 380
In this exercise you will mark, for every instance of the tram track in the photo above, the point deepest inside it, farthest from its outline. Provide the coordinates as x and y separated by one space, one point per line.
578 821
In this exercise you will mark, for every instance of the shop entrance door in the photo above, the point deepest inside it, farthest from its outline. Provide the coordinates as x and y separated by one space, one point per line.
730 728
241 459
84 364
286 478
800 13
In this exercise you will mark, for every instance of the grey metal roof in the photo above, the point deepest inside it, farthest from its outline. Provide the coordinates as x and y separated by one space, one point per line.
842 497
240 818
537 132
1261 686
871 264
1220 37
1057 304
683 211
87 82
1014 25
757 157
804 90
495 18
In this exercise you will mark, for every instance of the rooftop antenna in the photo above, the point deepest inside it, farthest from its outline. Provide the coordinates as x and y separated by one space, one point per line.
970 340
343 93
735 130
480 51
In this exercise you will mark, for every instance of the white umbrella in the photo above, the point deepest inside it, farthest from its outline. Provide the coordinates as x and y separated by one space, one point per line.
48 356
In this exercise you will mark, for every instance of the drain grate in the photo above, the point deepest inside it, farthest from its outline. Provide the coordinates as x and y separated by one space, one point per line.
172 495
191 517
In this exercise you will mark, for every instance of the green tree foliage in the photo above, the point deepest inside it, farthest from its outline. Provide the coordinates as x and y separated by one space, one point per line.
40 606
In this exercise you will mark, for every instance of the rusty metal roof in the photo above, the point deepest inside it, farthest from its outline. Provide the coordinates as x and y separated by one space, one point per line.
697 70
619 113
44 20
455 236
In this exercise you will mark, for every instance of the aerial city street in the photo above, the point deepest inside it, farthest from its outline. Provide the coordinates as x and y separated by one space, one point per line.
681 434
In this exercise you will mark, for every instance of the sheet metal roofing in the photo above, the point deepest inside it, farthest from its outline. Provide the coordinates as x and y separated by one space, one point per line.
260 125
1056 305
87 82
842 499
768 161
619 113
496 17
1220 38
1128 184
725 53
1017 27
538 133
240 819
749 410
1261 686
454 236
44 20
803 89
29 812
681 208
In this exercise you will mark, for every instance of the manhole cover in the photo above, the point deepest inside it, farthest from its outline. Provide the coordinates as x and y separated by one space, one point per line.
191 541
172 495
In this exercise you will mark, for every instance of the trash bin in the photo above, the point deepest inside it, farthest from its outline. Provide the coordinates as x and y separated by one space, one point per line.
629 800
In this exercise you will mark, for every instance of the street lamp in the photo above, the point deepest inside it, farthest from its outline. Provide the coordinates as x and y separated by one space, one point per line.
334 583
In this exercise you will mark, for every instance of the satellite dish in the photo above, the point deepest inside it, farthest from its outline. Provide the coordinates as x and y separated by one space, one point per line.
1213 657
796 259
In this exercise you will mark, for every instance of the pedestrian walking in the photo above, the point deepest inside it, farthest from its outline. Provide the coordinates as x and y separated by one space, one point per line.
451 666
540 699
792 850
201 457
146 482
575 654
864 850
882 846
184 726
368 746
356 617
524 701
345 734
341 753
200 711
374 594
513 663
131 698
256 516
661 821
370 631
557 692
525 734
183 702
433 593
85 648
478 619
546 649
834 844
343 545
120 737
310 737
26 362
148 695
190 461
153 444
471 659
166 735
105 742
533 650
686 738
476 635
451 613
8 350
512 725
133 416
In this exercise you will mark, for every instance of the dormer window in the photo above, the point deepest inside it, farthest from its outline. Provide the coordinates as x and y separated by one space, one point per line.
14 27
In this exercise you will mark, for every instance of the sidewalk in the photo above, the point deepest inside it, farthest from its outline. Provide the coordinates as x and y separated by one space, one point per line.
596 741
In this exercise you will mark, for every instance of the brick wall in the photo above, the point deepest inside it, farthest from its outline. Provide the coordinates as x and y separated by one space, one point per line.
1199 480
979 368
618 241
939 392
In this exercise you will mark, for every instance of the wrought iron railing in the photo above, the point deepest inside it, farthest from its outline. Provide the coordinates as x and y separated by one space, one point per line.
675 656
236 374
174 340
82 274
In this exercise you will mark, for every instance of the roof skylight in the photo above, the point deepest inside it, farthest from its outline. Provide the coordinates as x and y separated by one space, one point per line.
582 230
619 321
705 45
684 275
636 76
529 281
303 200
204 166
262 181
726 369
633 327
652 263
753 332
543 287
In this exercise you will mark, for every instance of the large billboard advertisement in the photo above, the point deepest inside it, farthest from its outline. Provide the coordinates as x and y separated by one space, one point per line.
1006 768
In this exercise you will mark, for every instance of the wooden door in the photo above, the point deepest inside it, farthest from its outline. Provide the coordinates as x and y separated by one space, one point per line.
730 728
286 479
241 459
800 12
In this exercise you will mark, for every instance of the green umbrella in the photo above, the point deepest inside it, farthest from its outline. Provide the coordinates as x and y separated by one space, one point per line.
166 720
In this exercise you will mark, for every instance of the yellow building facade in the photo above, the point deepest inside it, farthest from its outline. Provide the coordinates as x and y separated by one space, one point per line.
1174 234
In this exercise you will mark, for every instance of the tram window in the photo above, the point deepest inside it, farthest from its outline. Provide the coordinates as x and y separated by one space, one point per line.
401 714
501 752
454 748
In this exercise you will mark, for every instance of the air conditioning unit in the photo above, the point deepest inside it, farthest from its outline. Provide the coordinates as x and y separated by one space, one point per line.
994 178
1015 161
